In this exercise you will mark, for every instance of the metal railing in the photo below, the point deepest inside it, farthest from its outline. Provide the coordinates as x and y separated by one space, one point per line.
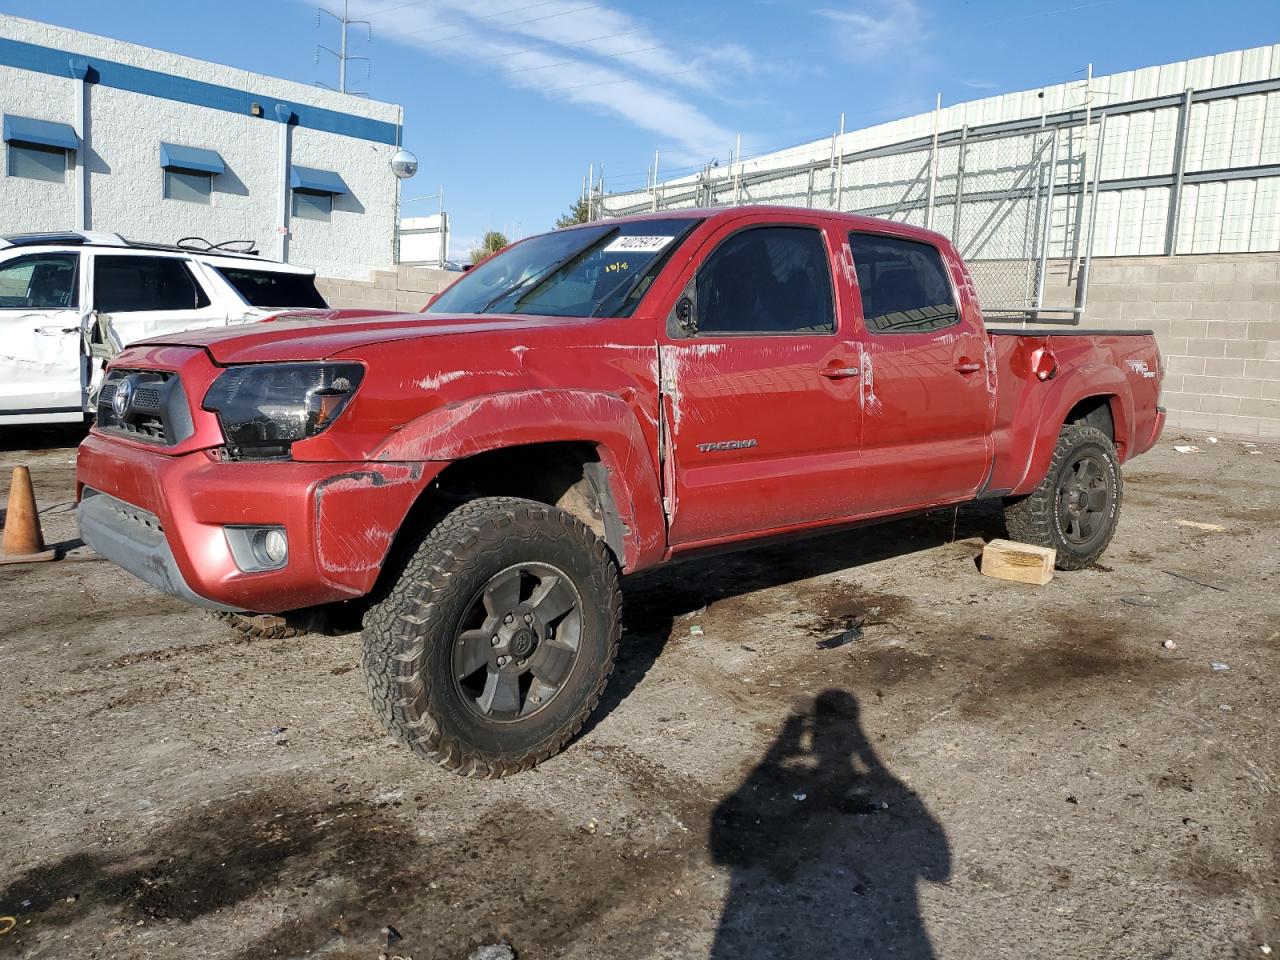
1017 194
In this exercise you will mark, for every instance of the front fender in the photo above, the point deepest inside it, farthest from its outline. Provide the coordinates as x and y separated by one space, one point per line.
1067 390
517 418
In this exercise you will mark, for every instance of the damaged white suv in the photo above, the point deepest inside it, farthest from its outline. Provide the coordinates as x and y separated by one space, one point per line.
71 301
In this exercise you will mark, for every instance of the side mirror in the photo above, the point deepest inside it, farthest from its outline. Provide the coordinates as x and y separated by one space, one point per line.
684 315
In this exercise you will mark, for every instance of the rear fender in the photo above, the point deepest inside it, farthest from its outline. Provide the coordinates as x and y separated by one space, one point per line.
1067 390
517 418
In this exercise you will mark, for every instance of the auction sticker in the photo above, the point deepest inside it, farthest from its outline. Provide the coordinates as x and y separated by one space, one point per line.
637 244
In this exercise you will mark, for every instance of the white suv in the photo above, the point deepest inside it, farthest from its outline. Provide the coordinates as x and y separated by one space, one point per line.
71 301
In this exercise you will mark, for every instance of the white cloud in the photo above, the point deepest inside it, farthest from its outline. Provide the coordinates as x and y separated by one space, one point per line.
875 31
579 52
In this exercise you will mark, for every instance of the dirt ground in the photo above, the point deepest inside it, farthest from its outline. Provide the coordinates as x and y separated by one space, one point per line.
993 770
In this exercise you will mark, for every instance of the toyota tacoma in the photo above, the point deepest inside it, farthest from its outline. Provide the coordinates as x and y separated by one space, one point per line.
588 403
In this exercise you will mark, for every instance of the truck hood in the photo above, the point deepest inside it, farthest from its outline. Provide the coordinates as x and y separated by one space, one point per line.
319 334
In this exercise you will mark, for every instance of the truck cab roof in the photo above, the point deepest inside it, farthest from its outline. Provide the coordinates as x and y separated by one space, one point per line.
855 221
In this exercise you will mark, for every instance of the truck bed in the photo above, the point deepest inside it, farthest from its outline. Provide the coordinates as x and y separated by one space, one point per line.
1037 367
1067 332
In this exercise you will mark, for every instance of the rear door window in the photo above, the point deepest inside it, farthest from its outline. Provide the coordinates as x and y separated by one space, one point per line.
767 280
264 288
127 284
904 283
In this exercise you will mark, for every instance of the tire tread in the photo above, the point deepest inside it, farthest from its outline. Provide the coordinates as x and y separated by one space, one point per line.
1029 519
398 629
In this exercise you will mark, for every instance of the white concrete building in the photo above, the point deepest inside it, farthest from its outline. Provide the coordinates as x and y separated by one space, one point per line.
112 136
1189 163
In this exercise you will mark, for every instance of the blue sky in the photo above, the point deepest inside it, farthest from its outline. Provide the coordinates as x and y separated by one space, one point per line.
508 101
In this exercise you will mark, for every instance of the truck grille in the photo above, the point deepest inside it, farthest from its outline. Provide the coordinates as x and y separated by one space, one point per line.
156 410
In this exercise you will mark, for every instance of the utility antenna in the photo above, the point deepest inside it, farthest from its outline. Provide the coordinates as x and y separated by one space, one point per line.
342 55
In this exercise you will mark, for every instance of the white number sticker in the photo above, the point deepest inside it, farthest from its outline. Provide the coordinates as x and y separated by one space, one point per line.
637 244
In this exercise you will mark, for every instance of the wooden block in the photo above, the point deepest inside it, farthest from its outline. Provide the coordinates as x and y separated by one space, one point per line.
1021 562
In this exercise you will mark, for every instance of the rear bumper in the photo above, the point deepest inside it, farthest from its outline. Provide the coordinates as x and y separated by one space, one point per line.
1157 428
163 518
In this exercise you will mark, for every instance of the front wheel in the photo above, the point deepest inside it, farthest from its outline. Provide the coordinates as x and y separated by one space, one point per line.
1076 507
494 645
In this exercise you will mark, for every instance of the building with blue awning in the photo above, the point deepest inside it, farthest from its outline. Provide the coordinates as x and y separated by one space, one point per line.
116 137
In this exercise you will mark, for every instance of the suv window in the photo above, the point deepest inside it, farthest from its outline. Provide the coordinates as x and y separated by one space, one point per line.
262 288
767 280
904 284
41 281
123 284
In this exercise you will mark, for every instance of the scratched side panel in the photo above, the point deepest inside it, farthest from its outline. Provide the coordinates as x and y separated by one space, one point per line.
1030 413
447 397
358 514
759 439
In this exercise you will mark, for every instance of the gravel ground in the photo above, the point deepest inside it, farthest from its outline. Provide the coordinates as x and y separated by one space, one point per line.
991 770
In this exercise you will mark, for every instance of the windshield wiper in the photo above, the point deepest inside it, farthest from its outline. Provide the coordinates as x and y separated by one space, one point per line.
652 269
514 288
631 284
536 279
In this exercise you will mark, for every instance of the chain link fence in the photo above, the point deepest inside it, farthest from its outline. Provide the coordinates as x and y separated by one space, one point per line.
991 195
1196 171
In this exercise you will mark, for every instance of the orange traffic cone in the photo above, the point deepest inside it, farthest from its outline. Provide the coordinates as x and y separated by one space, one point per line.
23 541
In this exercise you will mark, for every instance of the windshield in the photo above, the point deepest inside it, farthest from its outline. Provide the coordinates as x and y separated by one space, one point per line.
598 270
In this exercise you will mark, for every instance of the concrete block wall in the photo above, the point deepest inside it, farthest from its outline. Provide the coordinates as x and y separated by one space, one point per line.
404 290
1217 320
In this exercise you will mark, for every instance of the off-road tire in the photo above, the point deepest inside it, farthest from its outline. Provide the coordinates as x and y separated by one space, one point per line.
1036 518
409 635
260 626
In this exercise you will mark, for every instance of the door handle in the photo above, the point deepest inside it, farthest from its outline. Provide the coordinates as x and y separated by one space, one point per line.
968 366
840 373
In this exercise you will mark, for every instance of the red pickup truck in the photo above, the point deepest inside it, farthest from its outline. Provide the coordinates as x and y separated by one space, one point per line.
588 403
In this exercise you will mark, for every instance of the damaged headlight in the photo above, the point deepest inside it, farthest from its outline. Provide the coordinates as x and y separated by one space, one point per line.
265 408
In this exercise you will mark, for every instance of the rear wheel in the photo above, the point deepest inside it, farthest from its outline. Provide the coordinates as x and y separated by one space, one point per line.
494 645
1077 506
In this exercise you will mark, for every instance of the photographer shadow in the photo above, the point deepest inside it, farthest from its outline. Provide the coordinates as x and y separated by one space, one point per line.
826 848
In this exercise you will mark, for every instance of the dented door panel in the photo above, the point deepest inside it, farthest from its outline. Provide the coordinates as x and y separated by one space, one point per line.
40 365
928 401
759 438
763 427
41 369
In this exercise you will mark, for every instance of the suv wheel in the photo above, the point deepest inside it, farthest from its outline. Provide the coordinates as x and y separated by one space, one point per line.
495 643
1077 506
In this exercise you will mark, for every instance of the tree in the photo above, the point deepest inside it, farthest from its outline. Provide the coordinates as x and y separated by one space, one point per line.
493 242
580 212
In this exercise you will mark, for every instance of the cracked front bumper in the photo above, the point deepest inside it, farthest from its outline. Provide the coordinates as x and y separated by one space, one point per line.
163 518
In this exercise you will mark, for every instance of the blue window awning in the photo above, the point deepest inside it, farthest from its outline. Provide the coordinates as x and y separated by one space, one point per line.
176 157
44 132
317 181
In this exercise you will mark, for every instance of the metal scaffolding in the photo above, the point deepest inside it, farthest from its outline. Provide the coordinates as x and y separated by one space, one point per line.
1016 194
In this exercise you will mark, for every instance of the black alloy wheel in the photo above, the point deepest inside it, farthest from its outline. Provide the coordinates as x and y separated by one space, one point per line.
520 642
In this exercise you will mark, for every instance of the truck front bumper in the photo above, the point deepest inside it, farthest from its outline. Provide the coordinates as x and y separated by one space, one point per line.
165 519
